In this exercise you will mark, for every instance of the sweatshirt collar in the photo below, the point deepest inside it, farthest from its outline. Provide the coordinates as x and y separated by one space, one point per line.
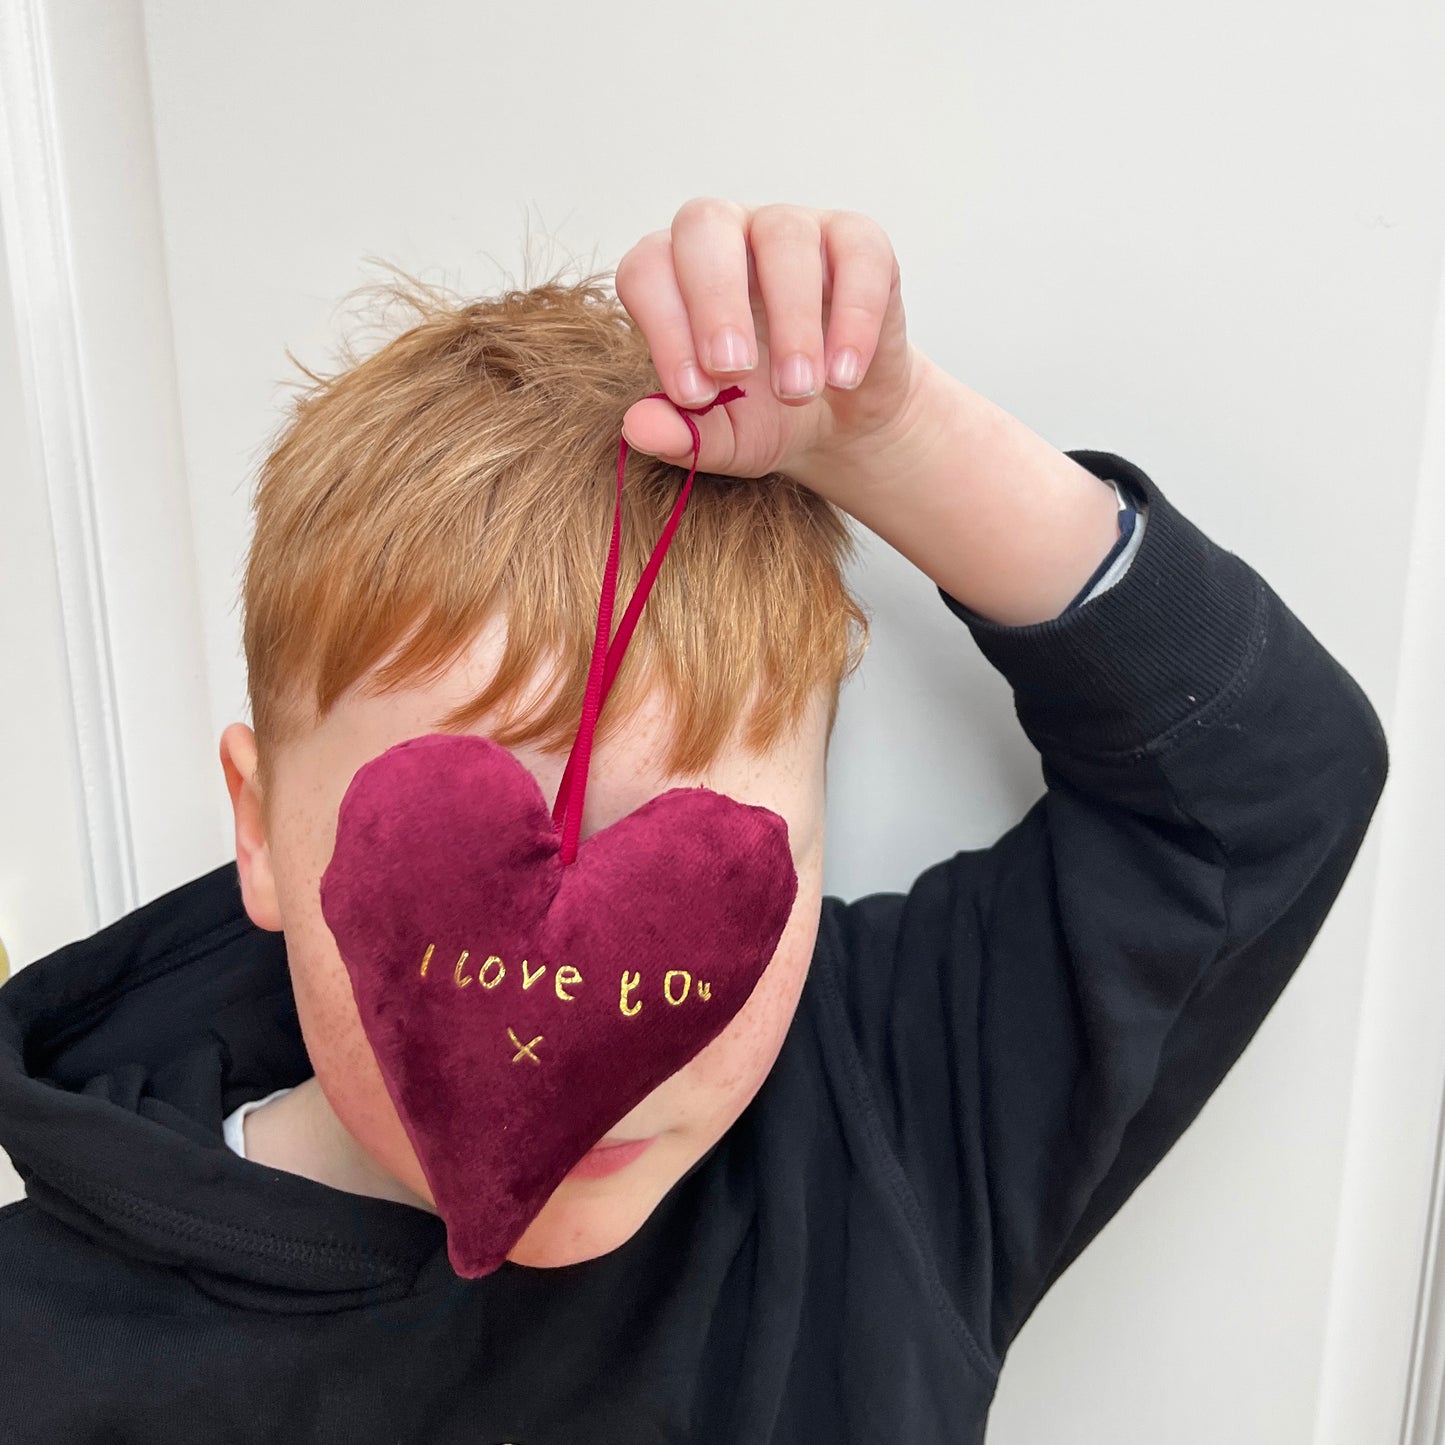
121 1054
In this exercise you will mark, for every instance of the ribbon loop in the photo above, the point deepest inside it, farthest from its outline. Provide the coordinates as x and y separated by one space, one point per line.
571 791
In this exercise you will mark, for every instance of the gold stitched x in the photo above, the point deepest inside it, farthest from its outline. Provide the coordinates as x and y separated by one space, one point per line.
524 1048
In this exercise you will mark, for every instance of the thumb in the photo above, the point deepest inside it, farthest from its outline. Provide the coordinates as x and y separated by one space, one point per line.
654 426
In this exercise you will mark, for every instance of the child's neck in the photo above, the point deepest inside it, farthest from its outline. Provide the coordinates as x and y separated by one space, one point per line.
301 1134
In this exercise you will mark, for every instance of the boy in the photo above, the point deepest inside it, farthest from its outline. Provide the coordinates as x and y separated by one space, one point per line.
848 1203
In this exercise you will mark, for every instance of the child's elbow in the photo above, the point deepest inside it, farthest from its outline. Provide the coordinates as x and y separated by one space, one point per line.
1370 752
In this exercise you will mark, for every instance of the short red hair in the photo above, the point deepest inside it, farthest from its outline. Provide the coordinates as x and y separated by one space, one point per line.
469 467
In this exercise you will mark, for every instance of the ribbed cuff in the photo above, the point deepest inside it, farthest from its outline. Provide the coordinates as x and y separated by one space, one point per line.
1156 647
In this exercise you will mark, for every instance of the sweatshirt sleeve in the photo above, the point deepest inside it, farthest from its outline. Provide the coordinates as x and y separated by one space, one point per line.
1035 1023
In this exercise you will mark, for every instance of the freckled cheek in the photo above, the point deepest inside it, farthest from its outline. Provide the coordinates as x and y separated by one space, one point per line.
342 1057
738 1060
340 1053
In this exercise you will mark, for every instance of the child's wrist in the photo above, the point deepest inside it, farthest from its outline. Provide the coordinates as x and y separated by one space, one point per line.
997 516
844 464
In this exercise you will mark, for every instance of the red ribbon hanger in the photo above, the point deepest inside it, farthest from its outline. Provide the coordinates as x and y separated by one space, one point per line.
571 791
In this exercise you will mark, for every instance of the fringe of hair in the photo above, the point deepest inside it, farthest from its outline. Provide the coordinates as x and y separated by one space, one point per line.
468 467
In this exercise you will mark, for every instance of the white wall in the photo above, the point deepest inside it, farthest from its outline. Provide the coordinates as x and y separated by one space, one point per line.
42 887
42 876
96 392
1210 240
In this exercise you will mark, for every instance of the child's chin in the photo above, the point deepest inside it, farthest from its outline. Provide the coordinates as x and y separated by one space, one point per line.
581 1222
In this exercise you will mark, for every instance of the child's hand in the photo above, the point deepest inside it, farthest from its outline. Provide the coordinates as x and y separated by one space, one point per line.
799 307
998 517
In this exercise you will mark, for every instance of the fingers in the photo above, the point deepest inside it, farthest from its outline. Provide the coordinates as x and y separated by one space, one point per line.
688 289
646 282
710 254
863 271
787 246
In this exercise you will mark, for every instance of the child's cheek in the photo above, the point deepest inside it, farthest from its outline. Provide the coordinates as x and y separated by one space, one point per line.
336 1043
345 1064
738 1060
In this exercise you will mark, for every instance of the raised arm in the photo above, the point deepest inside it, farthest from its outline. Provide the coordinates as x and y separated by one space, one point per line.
1037 1022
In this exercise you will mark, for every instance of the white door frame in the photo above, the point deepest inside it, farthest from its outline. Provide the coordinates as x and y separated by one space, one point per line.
1383 1373
80 204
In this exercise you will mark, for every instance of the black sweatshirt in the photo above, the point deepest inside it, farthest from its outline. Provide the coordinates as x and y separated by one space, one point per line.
981 1069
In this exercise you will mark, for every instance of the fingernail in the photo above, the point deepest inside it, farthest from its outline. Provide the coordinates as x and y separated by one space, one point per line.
693 388
796 377
844 370
729 351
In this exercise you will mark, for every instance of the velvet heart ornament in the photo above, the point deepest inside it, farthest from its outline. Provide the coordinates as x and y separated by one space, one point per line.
522 992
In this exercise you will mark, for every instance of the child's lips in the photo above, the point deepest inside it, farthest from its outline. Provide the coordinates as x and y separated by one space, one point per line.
608 1156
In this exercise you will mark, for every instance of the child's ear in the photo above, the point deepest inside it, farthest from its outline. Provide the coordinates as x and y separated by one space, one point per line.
253 853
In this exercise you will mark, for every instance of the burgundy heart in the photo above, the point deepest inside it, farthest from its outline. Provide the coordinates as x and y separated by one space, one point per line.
518 1007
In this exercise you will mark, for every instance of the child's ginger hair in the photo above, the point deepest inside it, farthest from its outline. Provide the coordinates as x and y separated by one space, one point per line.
470 466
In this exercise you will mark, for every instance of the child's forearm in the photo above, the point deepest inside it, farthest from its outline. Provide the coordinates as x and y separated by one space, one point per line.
995 515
